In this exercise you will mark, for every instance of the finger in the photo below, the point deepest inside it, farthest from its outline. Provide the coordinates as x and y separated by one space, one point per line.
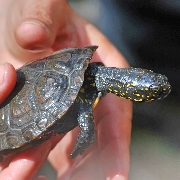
90 35
106 52
29 160
33 30
26 164
113 121
37 23
41 178
7 80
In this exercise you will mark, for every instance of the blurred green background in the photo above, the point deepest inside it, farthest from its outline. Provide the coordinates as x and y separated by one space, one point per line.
146 35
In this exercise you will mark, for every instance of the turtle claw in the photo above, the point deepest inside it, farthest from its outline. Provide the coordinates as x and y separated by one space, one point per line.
77 151
82 143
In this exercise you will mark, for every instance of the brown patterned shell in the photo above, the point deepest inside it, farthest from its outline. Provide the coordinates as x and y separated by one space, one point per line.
45 90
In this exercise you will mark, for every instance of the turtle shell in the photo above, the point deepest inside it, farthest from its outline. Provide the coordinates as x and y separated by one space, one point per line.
44 91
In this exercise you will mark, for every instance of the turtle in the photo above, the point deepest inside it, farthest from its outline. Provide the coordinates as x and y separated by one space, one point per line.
55 94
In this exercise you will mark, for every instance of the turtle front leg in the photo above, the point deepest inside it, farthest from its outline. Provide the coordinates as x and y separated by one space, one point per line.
87 134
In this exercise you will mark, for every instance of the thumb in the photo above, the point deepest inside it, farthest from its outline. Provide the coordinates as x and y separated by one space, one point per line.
7 80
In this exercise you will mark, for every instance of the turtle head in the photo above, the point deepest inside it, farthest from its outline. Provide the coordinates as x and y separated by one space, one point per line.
145 85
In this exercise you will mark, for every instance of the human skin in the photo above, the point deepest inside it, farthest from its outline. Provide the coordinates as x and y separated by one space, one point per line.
33 29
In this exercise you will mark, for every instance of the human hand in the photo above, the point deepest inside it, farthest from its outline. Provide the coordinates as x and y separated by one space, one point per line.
31 30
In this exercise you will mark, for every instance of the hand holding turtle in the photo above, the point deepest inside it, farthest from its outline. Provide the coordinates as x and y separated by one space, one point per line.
39 32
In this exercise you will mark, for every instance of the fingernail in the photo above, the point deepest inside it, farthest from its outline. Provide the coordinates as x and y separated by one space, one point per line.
115 161
35 22
117 177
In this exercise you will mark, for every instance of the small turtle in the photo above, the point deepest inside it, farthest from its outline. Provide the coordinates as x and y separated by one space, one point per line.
55 94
